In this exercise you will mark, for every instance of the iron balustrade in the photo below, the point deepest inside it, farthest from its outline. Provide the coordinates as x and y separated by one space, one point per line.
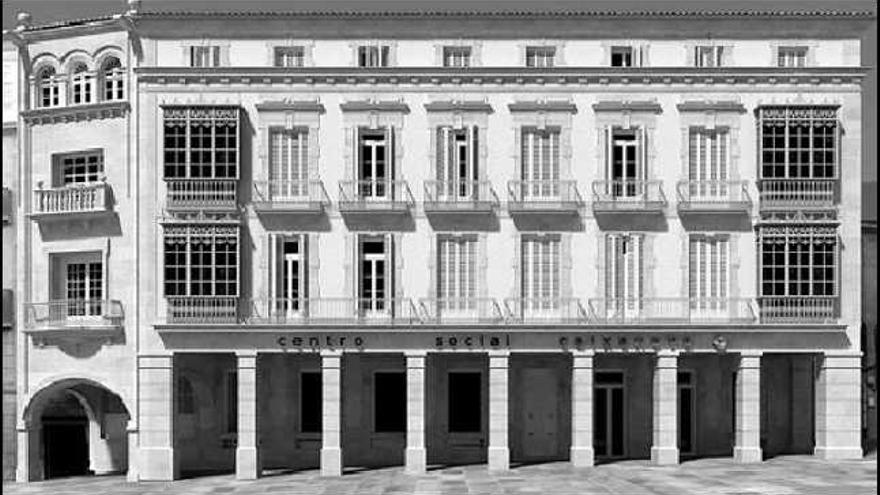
632 195
713 195
333 310
73 313
672 310
797 193
374 194
75 198
459 194
203 309
794 309
545 310
543 194
202 194
461 310
293 194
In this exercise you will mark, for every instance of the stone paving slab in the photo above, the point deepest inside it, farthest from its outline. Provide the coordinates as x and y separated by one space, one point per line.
791 475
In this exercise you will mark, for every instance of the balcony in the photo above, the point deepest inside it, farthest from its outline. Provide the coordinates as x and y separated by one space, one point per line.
74 318
290 196
545 310
674 310
713 196
459 197
543 197
476 310
372 196
216 195
203 309
334 311
72 201
797 194
628 196
813 309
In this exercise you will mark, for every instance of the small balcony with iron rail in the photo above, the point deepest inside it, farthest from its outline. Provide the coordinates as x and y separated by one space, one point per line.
290 197
375 196
205 195
543 197
798 194
545 310
461 311
72 201
672 310
612 197
715 197
459 197
74 319
342 311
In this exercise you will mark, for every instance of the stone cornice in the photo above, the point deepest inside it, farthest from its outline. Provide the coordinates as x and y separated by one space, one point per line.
290 106
487 76
75 113
458 106
542 106
374 106
711 106
628 106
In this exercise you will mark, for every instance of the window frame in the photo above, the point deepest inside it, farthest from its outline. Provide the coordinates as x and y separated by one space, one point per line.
185 236
540 56
205 56
628 52
787 264
112 80
462 54
541 271
281 55
373 55
81 85
787 118
48 82
715 55
186 118
792 56
63 162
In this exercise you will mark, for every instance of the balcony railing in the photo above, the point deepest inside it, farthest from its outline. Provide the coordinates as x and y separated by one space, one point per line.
73 314
713 195
290 195
672 310
797 193
461 310
628 196
374 195
334 310
543 196
201 194
85 198
459 196
203 309
545 310
815 309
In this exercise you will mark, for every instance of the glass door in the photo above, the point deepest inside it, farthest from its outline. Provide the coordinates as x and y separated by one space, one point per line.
373 277
609 414
84 289
374 174
624 174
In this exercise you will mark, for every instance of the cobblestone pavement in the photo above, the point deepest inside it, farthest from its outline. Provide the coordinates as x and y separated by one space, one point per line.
794 475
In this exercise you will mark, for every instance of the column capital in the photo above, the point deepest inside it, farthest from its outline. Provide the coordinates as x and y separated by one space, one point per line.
415 353
331 353
498 353
246 353
754 353
246 360
668 353
583 352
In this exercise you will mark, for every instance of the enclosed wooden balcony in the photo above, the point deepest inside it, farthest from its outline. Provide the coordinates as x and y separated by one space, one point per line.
74 318
543 197
85 200
799 309
215 195
678 310
545 310
797 194
628 197
459 197
290 196
713 196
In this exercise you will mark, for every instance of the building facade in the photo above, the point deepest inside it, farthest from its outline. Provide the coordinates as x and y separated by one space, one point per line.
343 239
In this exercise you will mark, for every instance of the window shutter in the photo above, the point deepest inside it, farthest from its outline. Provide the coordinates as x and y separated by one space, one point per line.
691 244
314 289
693 56
440 147
394 247
305 264
646 263
187 56
611 259
434 268
471 152
566 263
265 263
391 152
483 260
516 265
609 154
349 267
356 153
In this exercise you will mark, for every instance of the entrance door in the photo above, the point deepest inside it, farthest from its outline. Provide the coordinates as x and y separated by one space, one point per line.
540 432
375 169
686 413
608 414
65 447
466 438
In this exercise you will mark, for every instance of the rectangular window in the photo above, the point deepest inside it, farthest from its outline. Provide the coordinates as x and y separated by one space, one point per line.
78 168
374 273
540 56
457 163
708 156
624 273
201 261
290 56
201 142
310 402
289 164
288 273
465 397
373 56
540 162
390 402
204 56
798 264
84 287
232 401
626 162
622 56
456 56
791 56
708 56
799 142
540 267
708 273
375 164
457 272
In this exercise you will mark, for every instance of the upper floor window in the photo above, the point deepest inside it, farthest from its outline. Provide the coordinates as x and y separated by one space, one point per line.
80 85
48 89
375 280
456 56
626 56
373 56
375 163
708 161
113 77
78 168
289 163
708 272
626 162
204 56
289 56
457 162
708 56
798 262
540 162
456 272
624 273
201 261
288 274
798 142
791 56
540 267
201 143
540 56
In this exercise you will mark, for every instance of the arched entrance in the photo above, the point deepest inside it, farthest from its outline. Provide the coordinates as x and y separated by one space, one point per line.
74 427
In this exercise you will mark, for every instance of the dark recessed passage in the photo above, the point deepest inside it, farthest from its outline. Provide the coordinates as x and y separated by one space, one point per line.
464 402
390 405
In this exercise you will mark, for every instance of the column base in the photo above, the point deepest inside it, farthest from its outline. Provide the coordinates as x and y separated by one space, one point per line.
331 461
664 456
132 474
499 458
582 456
834 453
416 460
747 455
157 464
247 463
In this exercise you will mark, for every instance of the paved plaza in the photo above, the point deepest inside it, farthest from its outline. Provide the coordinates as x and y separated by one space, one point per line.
795 475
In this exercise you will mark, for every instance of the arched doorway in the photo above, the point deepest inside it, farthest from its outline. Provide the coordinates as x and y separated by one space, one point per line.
75 427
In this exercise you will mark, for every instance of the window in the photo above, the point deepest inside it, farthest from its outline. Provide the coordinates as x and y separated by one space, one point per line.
8 309
456 56
622 56
465 397
708 156
626 159
798 262
373 56
798 142
186 403
624 273
540 162
708 56
79 168
457 272
375 163
232 401
84 288
48 88
288 273
540 272
201 261
113 77
310 402
791 56
204 56
80 85
708 273
7 205
201 143
374 276
457 162
289 164
290 56
540 56
389 395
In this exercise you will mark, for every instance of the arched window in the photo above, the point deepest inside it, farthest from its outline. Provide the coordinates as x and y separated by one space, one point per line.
113 79
47 88
80 85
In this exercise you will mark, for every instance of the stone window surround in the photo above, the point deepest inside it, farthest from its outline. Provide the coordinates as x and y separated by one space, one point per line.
308 46
558 57
475 45
390 43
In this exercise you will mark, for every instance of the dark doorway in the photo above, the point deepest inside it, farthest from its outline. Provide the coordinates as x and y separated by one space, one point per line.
464 402
608 414
66 447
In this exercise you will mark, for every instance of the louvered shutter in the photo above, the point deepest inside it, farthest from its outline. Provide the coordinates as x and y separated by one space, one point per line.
474 153
609 157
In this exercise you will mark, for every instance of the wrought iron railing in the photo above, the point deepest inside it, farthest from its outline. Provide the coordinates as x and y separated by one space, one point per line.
628 194
334 310
672 310
62 313
713 194
374 194
202 194
545 310
461 310
282 194
75 198
543 193
797 192
793 309
460 194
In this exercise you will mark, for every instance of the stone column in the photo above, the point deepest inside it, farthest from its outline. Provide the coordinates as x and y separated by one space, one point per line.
416 454
664 449
131 430
499 453
331 432
247 453
582 454
747 446
838 406
29 450
157 458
